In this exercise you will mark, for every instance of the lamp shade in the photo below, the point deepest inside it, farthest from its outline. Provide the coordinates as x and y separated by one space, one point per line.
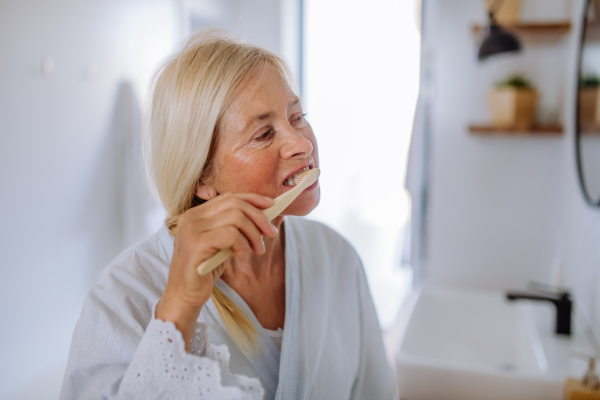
497 41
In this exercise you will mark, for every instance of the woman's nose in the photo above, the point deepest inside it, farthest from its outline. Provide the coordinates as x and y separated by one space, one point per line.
296 145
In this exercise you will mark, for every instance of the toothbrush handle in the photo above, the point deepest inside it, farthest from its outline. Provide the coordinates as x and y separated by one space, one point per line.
213 262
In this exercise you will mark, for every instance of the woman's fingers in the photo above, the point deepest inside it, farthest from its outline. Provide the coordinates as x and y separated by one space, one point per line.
233 221
237 218
224 238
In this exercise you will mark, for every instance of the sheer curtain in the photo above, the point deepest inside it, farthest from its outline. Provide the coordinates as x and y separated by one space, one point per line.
361 81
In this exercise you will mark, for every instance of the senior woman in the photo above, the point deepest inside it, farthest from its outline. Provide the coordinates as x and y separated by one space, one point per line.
289 316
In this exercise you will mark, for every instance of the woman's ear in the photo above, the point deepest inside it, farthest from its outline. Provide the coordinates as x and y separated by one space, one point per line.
205 192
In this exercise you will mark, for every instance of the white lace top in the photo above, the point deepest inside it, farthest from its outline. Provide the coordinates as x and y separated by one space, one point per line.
162 369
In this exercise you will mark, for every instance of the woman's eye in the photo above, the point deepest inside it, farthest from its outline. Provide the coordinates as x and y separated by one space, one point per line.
299 121
266 136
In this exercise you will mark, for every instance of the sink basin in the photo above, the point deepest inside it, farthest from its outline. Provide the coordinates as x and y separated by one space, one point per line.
466 344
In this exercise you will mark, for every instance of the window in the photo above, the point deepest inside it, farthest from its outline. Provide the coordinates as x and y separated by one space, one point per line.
360 81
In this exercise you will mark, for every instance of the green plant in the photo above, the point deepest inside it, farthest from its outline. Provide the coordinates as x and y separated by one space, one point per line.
590 80
516 81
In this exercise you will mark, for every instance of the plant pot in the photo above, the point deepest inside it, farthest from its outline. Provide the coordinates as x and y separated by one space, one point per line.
588 107
513 108
507 13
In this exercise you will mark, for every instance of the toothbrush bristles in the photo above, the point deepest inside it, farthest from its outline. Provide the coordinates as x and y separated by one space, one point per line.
299 177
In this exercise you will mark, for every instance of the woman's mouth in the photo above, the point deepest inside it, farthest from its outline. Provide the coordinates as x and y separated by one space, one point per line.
290 181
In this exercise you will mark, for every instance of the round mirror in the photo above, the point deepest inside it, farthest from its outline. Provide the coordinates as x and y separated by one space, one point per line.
588 105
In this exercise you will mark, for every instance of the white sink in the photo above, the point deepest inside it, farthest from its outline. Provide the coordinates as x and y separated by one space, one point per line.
464 344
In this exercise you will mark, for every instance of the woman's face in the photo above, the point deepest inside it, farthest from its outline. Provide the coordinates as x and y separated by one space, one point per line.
264 140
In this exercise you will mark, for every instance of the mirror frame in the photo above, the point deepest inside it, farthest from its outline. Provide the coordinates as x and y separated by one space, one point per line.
580 177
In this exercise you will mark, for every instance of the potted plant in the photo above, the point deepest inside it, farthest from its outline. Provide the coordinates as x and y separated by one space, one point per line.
513 103
589 87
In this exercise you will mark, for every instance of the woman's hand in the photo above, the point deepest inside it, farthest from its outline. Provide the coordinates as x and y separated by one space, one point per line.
227 221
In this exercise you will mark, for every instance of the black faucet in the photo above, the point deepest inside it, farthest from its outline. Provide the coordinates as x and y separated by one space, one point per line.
561 300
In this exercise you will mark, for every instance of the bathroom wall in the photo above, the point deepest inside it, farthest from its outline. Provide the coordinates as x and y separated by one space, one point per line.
502 208
61 154
59 143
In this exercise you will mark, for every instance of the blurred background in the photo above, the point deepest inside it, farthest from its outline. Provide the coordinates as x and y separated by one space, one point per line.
419 170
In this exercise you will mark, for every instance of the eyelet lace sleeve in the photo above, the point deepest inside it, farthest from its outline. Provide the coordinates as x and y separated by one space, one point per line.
162 369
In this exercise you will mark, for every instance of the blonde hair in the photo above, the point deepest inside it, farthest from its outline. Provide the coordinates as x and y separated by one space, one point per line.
190 93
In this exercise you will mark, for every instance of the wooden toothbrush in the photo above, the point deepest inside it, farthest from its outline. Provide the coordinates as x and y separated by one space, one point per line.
302 181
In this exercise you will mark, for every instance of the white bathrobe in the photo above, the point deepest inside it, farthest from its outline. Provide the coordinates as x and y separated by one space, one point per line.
332 345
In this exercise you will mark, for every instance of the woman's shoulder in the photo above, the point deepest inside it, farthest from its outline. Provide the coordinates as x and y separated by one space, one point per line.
131 283
148 257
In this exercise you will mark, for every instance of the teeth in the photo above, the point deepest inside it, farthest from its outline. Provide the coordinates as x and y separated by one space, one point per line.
291 180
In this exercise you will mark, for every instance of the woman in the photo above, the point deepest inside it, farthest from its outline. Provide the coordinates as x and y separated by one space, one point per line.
290 315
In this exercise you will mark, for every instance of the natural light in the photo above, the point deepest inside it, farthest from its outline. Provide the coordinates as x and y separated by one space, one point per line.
361 80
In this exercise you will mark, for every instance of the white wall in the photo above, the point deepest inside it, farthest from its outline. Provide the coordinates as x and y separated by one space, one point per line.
58 151
60 201
501 208
272 24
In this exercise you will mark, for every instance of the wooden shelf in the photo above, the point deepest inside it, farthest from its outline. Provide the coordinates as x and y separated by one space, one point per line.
531 31
538 130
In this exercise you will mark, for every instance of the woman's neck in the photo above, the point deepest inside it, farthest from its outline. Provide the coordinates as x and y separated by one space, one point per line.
260 280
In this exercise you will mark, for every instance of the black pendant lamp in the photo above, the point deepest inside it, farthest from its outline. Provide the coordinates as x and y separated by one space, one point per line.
497 41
